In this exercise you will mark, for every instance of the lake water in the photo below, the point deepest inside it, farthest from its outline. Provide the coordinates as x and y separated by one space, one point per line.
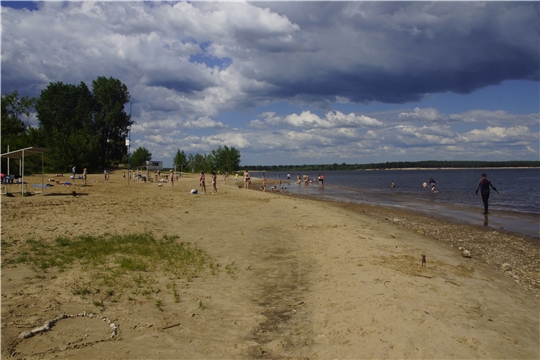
517 208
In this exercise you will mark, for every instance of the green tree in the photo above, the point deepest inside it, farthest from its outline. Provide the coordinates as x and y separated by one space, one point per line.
65 120
140 157
82 127
16 131
110 118
197 162
180 160
226 159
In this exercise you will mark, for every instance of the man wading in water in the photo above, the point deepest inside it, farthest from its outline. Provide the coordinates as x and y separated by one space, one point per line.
483 186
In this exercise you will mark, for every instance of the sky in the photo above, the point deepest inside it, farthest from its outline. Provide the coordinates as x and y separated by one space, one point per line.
292 83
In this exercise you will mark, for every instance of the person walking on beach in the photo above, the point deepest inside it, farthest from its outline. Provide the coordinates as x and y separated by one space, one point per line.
73 172
214 183
202 183
483 186
171 177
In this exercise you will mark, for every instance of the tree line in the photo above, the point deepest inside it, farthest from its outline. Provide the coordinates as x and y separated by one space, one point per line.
223 159
86 127
428 164
81 126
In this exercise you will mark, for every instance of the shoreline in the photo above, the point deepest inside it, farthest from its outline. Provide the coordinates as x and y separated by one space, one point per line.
389 169
494 247
514 220
291 278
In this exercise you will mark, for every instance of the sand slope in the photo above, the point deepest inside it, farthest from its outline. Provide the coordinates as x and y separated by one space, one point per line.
304 279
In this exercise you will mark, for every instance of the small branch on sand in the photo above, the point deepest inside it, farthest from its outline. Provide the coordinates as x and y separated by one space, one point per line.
429 277
170 326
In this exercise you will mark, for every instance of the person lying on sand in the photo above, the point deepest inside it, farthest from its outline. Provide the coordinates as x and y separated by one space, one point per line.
64 183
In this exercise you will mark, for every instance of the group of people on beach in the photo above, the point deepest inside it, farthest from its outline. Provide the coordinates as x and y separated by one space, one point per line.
306 180
202 182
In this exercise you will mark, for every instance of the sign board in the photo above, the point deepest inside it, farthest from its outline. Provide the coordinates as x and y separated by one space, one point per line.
154 165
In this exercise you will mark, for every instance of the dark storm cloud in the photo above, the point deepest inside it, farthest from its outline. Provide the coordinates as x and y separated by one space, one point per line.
399 52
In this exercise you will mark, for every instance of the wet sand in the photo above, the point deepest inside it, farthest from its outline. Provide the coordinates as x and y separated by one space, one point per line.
312 279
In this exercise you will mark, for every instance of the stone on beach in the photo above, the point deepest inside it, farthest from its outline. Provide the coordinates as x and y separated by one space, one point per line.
466 253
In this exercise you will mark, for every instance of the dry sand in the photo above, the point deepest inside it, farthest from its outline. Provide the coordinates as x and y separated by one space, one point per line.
305 279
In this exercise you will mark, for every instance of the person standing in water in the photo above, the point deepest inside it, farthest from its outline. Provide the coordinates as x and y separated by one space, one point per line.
483 186
432 183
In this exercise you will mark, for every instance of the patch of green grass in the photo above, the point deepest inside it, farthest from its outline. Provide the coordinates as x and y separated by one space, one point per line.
118 262
132 264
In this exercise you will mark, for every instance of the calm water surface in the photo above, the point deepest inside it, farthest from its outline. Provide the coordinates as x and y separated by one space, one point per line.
517 208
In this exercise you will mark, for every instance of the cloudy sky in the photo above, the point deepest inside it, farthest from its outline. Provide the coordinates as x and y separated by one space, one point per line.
297 82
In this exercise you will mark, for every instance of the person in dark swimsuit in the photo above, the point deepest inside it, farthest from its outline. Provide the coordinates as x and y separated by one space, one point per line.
483 186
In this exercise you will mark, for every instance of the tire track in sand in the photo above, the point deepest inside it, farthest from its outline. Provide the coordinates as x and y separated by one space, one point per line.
282 288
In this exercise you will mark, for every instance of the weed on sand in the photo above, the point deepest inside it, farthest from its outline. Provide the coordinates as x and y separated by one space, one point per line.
114 264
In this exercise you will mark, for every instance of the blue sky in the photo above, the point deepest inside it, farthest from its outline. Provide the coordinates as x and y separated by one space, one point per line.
297 82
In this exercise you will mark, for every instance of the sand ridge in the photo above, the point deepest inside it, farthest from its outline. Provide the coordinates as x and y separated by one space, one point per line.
299 279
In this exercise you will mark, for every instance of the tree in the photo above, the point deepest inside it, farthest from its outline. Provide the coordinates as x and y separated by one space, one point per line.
197 162
110 118
16 131
82 127
140 157
226 159
65 120
180 160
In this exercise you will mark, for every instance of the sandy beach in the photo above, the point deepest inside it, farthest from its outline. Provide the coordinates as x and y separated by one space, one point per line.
291 278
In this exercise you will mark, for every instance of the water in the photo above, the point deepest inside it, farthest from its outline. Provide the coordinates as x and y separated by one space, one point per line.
517 208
